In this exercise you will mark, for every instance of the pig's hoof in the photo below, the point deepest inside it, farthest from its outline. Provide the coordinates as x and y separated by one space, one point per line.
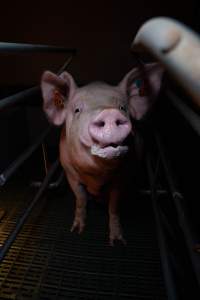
116 238
78 226
116 235
115 231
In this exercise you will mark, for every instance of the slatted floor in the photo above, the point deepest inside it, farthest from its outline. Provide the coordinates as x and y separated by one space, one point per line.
46 261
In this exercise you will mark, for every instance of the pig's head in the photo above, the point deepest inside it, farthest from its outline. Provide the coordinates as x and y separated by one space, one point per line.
99 117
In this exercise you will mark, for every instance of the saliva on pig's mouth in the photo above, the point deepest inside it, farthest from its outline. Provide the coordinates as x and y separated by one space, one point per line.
111 151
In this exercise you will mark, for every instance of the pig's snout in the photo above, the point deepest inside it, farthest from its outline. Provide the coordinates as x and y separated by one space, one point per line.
109 128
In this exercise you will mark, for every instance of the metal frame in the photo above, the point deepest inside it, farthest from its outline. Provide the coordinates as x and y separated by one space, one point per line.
13 167
177 48
178 199
6 246
12 100
26 94
164 253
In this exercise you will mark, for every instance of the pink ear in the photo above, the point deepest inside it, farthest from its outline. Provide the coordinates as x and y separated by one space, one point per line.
142 87
56 91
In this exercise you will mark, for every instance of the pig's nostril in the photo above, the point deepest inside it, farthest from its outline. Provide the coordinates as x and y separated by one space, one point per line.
120 122
100 123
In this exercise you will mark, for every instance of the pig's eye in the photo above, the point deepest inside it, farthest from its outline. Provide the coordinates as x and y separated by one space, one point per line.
122 107
77 110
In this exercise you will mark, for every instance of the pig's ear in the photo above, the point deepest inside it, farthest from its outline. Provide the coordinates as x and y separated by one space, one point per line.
56 90
142 86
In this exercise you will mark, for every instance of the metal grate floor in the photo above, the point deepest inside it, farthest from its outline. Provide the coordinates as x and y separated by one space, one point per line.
46 261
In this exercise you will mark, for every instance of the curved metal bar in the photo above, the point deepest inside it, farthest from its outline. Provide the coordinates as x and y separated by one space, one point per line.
21 159
30 48
177 47
11 100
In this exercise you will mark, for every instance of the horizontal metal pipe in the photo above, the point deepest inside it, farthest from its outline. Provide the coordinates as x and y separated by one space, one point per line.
164 254
22 158
177 47
27 48
52 185
192 117
190 240
11 100
6 246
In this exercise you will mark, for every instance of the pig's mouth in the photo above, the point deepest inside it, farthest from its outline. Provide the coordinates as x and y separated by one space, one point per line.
110 151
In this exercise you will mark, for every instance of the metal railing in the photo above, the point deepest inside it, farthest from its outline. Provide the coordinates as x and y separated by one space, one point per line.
11 48
34 48
177 48
14 166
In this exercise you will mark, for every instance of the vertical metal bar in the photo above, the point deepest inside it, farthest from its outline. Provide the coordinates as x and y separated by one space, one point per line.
165 259
44 154
192 117
23 218
182 219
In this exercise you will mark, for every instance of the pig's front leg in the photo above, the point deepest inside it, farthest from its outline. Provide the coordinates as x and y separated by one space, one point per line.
115 229
81 202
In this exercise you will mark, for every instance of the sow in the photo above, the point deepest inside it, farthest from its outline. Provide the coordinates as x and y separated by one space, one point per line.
97 126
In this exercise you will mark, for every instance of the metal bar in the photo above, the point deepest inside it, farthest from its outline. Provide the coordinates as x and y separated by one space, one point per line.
177 47
11 100
30 48
190 240
45 159
165 259
192 117
56 183
65 65
21 159
23 218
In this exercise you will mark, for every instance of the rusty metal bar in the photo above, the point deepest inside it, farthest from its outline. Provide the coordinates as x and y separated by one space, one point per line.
30 48
176 47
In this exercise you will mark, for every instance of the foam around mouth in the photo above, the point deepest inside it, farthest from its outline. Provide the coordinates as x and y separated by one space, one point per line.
109 152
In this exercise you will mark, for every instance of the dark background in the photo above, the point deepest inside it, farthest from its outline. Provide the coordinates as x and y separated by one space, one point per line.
102 32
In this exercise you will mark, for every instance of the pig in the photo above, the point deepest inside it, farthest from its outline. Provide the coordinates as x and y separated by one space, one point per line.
97 126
